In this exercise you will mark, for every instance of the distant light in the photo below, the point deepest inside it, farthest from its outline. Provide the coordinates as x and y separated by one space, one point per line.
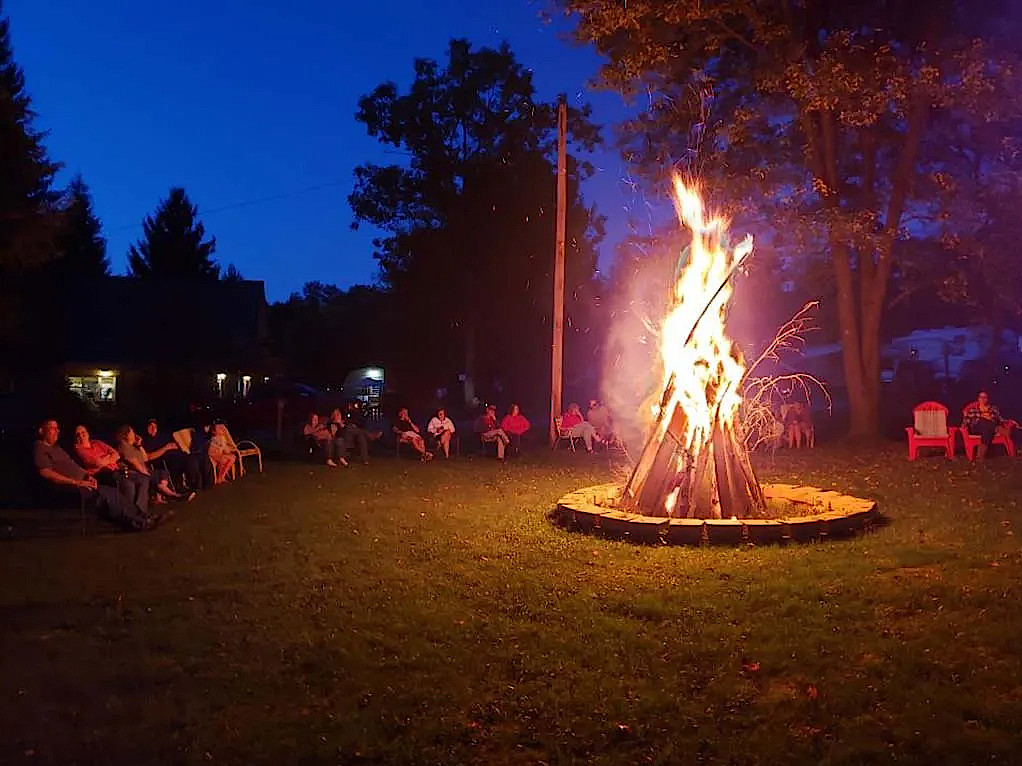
266 378
221 377
246 378
374 373
105 373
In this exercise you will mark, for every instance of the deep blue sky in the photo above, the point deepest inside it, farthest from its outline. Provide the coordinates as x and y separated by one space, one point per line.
240 100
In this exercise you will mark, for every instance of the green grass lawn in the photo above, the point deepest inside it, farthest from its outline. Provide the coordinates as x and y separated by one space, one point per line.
431 614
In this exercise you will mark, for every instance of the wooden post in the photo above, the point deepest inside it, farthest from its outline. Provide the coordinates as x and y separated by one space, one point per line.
557 360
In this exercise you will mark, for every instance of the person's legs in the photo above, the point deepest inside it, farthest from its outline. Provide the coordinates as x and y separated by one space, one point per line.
362 437
985 430
445 443
115 505
134 487
583 431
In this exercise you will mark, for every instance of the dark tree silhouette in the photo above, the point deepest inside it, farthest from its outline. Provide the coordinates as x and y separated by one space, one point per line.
80 246
231 274
27 216
172 242
470 217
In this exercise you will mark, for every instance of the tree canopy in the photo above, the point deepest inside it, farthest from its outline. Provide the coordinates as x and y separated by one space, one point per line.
469 215
172 243
828 123
27 216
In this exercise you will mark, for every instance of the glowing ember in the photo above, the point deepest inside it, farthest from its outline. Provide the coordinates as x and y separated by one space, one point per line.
693 463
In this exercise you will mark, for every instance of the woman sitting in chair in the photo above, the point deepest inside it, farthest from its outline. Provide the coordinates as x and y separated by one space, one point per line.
135 457
221 453
441 428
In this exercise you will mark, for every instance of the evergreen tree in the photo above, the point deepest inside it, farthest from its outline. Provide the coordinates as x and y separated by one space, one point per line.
172 243
81 248
232 274
27 216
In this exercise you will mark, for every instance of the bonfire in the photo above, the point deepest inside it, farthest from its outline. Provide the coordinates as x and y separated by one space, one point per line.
694 462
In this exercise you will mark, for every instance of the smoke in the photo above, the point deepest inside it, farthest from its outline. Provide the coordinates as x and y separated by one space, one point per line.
641 284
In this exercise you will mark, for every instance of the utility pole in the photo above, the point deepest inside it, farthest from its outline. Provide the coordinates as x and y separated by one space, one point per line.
557 361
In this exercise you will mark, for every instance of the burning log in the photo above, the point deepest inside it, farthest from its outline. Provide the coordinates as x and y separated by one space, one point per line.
694 464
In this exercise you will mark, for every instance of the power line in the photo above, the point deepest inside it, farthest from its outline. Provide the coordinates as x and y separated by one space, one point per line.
249 203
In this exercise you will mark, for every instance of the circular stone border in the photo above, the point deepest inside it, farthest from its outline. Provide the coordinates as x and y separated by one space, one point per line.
588 510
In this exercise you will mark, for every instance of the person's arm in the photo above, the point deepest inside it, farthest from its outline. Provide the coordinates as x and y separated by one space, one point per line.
58 478
159 452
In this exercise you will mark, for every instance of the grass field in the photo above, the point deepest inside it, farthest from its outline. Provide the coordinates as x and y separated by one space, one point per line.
431 614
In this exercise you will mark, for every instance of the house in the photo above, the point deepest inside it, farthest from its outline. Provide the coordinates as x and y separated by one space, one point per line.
125 343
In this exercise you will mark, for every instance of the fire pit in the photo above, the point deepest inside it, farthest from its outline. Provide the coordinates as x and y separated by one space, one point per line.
815 514
693 480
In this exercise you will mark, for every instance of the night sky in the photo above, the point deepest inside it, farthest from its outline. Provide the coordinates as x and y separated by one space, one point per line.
244 100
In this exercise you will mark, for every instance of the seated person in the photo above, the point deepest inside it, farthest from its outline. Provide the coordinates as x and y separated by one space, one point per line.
348 434
981 418
191 465
441 428
408 433
599 416
515 425
490 431
132 453
318 437
221 453
96 456
102 460
57 468
575 426
798 425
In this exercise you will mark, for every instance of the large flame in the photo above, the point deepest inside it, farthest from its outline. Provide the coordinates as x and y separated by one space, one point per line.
701 374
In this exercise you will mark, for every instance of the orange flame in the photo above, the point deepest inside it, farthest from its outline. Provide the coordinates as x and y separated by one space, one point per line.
703 374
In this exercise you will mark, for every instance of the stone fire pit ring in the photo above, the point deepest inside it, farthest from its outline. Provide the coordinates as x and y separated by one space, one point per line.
591 510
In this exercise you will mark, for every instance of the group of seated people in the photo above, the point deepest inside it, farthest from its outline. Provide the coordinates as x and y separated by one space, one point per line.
338 434
596 427
123 482
505 434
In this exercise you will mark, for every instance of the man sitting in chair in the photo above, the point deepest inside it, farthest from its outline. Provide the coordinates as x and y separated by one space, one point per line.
57 468
489 430
981 418
408 433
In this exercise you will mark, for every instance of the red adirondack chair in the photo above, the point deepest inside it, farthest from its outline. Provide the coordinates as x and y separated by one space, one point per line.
1002 435
930 430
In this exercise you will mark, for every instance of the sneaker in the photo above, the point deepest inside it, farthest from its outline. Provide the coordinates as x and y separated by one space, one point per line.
427 457
330 462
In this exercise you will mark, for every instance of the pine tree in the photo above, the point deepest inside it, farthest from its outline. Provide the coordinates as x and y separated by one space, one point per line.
27 215
172 243
231 274
81 247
